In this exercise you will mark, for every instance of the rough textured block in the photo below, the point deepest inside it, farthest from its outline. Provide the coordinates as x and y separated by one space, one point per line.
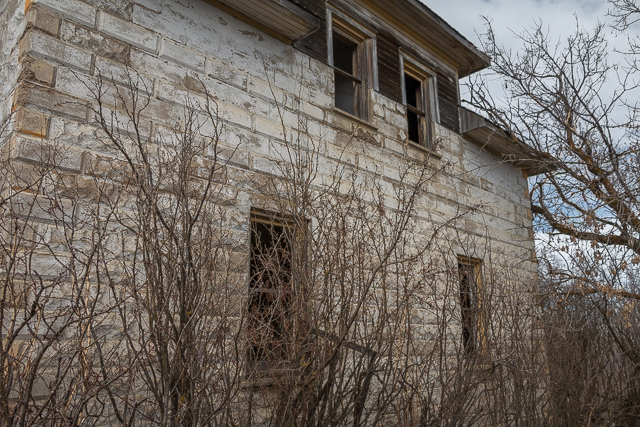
40 45
32 122
269 128
93 41
128 32
266 90
219 71
50 99
120 8
154 5
44 21
70 9
117 72
37 151
38 70
311 110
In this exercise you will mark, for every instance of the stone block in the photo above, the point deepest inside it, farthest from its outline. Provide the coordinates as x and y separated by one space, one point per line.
378 110
42 97
128 32
126 76
311 110
395 119
230 155
154 5
269 128
95 42
45 266
40 45
237 116
32 123
394 146
161 68
71 9
120 8
221 72
77 84
44 21
37 151
38 70
173 93
341 154
265 90
182 55
106 167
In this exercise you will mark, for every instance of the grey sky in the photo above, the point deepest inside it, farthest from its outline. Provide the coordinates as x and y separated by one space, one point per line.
514 16
506 15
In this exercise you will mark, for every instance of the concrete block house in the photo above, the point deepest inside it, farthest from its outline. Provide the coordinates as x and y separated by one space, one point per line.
254 212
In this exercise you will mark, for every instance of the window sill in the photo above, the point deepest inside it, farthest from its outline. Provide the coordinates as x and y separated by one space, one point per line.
267 374
428 151
361 122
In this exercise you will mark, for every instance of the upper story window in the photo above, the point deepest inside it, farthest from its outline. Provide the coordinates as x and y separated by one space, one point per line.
419 96
352 56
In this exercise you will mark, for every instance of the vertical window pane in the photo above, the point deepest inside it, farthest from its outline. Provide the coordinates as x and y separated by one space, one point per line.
343 53
414 126
412 91
345 94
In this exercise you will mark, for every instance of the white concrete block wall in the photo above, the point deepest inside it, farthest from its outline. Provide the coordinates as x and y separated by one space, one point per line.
260 84
12 22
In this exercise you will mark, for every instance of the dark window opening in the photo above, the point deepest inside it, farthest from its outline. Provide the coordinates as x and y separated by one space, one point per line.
345 68
269 290
468 271
416 117
344 52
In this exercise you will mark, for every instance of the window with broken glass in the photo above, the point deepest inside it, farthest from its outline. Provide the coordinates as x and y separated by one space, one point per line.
419 98
352 55
470 304
269 306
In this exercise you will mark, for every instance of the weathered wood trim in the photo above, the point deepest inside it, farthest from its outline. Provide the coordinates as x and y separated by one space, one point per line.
287 21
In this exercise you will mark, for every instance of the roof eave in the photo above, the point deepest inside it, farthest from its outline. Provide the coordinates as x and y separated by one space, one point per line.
490 137
431 27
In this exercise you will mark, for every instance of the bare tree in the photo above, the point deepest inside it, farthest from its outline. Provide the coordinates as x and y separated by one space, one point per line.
575 105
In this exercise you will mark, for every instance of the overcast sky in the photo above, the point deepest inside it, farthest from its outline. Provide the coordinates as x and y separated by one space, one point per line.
465 15
513 16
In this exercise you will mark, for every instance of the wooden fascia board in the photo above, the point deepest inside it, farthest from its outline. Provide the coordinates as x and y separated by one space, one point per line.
468 61
494 141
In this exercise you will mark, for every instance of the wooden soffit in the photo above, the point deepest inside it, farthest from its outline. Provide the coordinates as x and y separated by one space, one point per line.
282 19
489 136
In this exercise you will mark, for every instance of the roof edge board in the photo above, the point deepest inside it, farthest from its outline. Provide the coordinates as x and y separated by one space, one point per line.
482 132
465 54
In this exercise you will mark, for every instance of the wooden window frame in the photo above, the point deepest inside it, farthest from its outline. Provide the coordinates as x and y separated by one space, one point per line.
428 111
291 308
473 331
260 355
365 63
